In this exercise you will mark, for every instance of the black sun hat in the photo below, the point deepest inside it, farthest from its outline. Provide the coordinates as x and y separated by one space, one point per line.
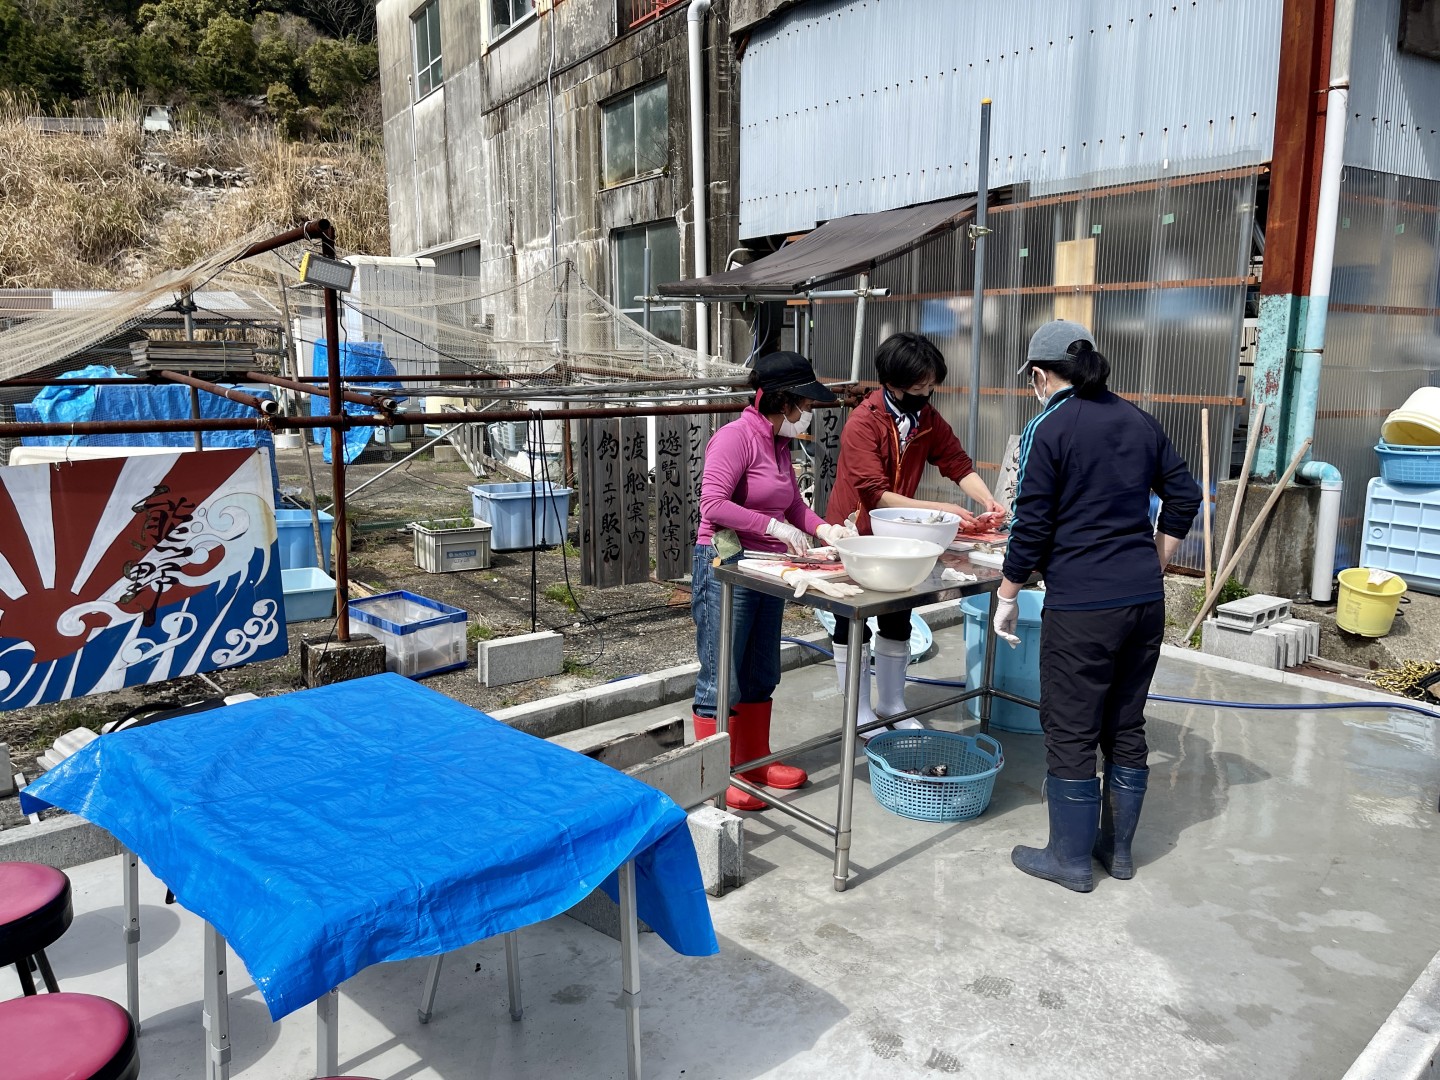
791 372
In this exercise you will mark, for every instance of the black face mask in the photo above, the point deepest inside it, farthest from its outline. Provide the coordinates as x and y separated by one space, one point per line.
910 403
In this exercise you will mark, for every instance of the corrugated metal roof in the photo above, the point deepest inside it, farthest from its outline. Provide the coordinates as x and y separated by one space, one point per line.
1394 98
856 106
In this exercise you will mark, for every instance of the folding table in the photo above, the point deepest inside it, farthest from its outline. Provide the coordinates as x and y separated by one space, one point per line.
330 829
857 609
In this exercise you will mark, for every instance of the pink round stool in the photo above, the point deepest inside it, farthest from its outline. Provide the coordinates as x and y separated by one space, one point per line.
68 1037
34 911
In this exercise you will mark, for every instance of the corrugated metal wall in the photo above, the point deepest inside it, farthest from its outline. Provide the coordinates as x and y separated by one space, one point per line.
853 106
1382 340
1394 98
1170 262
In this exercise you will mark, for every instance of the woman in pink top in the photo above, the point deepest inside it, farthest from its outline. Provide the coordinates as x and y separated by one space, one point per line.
749 487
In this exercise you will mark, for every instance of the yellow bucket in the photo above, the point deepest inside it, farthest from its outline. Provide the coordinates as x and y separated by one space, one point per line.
1366 609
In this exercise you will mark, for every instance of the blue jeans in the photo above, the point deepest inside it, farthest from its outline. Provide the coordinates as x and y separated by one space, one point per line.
755 647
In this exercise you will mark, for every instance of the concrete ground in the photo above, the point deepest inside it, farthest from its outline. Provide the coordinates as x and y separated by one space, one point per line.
1283 905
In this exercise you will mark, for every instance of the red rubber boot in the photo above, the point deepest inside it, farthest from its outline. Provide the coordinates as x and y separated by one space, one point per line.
752 740
735 799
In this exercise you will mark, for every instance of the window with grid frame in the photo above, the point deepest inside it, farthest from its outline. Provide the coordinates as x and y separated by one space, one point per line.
506 13
636 138
425 31
635 13
627 249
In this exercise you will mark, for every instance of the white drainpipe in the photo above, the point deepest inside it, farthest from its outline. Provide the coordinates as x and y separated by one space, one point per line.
696 19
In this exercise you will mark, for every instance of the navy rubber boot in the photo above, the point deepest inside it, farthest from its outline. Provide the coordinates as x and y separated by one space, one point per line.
1074 820
1119 815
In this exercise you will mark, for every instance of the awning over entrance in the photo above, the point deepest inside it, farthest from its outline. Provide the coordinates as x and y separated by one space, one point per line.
837 249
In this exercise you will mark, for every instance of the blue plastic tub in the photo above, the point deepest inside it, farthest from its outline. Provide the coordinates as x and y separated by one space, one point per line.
297 538
1409 464
1017 670
309 594
507 507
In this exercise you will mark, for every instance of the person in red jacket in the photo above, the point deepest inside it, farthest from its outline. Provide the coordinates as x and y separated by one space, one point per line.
884 448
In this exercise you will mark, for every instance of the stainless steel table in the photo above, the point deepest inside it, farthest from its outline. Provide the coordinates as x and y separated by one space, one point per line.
857 609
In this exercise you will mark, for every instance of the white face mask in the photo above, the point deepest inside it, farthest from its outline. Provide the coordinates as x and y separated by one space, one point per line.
794 429
1040 387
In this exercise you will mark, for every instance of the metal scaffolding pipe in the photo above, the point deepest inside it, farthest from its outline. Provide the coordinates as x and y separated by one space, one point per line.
267 406
340 529
370 400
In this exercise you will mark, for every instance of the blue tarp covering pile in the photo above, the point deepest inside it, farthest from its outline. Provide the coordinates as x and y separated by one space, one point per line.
356 358
330 829
143 401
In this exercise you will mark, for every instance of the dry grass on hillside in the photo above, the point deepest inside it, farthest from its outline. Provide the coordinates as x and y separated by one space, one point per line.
111 211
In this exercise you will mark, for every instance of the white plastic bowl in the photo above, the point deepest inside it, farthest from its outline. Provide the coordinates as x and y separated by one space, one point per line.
905 521
887 563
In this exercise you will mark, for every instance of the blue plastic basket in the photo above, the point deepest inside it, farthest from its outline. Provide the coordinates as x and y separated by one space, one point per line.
973 762
1409 464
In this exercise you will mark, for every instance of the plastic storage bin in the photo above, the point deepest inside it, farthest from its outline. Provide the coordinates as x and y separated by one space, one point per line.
1409 464
508 507
421 636
297 538
1402 533
1367 608
972 761
1017 670
443 546
309 594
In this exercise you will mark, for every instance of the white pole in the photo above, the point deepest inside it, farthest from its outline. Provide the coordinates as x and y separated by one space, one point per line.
696 29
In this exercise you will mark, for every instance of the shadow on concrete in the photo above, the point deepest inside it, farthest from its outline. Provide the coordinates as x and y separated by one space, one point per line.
94 943
178 1033
695 1011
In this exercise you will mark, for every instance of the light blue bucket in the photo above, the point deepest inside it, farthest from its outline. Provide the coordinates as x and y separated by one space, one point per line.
1017 670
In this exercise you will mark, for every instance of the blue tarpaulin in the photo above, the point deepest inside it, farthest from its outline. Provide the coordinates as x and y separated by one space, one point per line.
143 401
356 358
330 829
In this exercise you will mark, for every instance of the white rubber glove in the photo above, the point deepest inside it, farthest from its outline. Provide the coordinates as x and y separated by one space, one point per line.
1007 614
795 541
828 533
804 580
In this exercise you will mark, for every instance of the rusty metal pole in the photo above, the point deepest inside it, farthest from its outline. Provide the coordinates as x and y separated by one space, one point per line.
340 532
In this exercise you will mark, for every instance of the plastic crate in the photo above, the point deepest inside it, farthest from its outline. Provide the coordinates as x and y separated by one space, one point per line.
297 538
973 762
421 636
442 546
1402 533
309 594
1409 464
508 508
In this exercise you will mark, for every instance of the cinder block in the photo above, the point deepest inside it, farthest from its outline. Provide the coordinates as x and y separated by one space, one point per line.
599 912
7 772
1253 612
61 842
1262 647
689 774
1310 634
325 662
546 717
720 844
446 452
521 658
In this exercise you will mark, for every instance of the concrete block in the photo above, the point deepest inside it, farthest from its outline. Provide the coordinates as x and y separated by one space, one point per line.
1253 612
719 839
626 742
676 683
446 452
520 658
61 842
7 772
546 717
622 698
1309 632
1269 565
1262 647
689 774
599 912
325 662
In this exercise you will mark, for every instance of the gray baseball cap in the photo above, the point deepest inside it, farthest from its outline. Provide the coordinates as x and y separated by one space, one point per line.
1053 340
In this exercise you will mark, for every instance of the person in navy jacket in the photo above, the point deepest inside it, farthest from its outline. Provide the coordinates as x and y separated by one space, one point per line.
1088 465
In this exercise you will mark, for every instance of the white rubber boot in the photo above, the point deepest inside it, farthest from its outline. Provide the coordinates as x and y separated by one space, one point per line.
891 660
865 714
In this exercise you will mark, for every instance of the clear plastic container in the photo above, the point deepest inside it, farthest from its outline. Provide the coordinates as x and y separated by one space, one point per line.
421 636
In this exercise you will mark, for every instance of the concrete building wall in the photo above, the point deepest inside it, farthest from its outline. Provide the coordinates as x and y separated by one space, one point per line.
470 164
854 106
1394 122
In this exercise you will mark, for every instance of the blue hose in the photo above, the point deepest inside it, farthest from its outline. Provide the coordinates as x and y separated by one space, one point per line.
1170 699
